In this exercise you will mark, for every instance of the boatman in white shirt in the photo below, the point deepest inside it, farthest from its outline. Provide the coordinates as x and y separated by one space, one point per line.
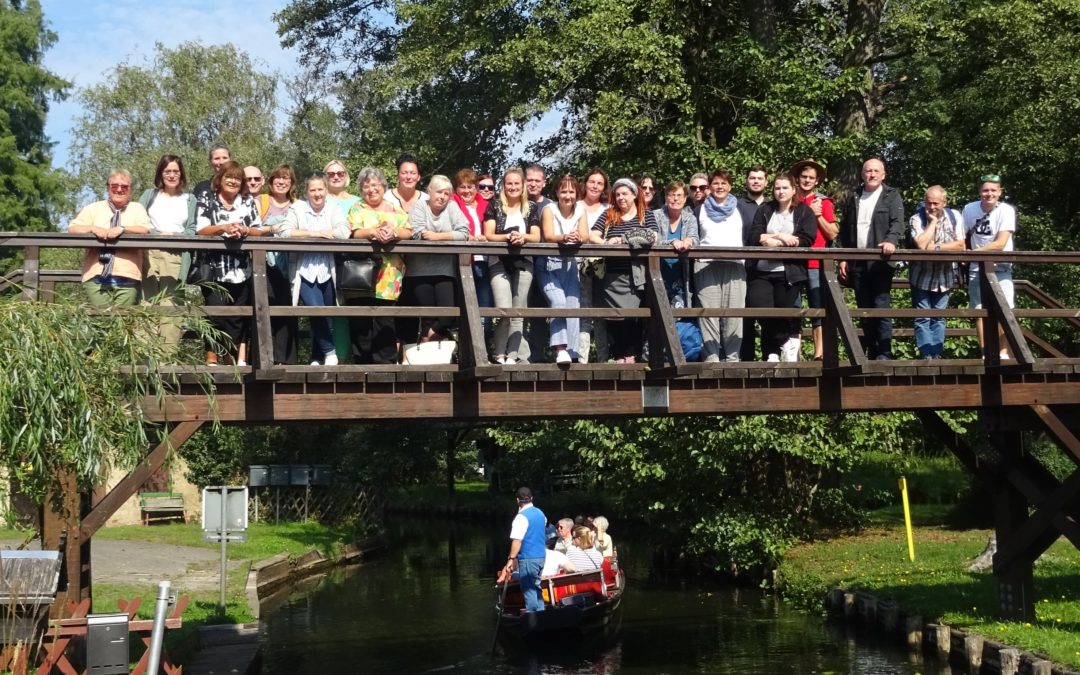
527 549
989 225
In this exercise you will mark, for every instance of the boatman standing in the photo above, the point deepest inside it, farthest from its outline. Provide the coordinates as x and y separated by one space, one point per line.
527 549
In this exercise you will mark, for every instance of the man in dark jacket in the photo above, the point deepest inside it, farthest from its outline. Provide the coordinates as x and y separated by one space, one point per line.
873 218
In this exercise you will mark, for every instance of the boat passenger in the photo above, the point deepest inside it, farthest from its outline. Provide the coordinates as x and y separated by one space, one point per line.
564 530
603 539
582 553
556 563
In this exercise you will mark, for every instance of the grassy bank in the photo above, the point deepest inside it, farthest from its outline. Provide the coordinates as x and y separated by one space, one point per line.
264 540
938 586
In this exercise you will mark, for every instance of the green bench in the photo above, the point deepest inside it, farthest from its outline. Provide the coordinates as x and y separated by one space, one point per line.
161 506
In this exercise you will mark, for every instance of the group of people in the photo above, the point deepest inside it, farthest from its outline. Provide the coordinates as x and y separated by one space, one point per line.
238 202
536 552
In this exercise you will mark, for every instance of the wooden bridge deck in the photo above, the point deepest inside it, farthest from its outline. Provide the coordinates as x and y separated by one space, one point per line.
545 390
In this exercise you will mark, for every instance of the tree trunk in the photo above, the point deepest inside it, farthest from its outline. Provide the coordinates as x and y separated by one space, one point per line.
855 111
60 517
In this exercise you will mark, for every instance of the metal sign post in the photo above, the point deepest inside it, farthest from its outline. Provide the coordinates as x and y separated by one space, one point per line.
224 519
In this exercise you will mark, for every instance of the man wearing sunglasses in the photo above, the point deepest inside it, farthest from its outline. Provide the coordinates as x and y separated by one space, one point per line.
111 276
253 180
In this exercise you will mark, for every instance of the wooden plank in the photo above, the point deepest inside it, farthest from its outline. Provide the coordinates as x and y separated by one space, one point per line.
264 340
838 323
663 336
473 352
995 302
130 484
31 270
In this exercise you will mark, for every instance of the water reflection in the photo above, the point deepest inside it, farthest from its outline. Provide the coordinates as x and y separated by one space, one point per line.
426 607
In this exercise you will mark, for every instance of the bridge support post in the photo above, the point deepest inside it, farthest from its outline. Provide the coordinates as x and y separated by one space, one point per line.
60 530
1016 579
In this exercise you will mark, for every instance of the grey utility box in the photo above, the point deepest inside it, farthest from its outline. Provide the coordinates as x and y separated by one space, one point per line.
258 475
106 644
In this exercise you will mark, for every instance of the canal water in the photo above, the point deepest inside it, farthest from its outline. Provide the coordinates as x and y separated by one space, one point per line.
426 607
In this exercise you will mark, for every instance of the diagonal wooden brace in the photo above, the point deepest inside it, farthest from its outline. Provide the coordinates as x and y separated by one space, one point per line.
663 336
130 484
838 323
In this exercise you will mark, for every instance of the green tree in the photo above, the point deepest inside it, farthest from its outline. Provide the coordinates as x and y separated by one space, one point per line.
734 492
30 190
183 102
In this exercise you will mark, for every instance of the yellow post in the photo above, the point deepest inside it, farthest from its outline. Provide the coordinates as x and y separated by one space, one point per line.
907 519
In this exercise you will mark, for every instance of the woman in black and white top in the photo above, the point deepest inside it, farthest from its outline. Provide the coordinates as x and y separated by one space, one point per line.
564 222
784 221
623 222
582 553
225 212
512 219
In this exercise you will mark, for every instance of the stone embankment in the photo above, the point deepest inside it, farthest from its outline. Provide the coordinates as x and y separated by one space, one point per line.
949 645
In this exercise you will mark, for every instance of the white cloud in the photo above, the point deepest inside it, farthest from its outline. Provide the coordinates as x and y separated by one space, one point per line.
95 36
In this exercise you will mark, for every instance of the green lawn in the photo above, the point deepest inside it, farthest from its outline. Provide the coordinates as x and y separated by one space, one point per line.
937 585
264 539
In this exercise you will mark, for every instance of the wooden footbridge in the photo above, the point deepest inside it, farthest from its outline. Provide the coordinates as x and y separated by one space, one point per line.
1038 389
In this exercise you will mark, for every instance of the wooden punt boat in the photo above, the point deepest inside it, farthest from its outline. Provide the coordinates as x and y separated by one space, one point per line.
580 602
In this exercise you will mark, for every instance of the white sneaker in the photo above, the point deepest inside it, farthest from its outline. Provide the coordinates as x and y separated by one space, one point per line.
712 358
1003 355
316 363
240 363
330 359
563 357
501 360
773 358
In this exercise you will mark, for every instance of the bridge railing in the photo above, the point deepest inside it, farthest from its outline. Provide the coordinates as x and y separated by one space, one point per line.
842 347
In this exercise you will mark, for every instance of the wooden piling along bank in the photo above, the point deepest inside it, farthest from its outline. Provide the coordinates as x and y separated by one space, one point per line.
951 645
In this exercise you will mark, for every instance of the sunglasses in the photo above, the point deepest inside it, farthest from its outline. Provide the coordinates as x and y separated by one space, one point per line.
254 179
485 186
335 174
990 178
648 188
699 188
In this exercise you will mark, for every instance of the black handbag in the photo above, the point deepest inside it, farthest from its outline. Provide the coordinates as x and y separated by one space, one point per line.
357 273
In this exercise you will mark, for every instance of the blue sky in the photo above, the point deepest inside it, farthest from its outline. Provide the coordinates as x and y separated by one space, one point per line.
95 35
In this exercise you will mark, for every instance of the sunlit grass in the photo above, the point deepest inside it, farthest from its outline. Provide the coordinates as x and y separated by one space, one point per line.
938 586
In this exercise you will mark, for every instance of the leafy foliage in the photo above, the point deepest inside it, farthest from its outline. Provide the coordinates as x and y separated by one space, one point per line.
183 102
735 492
29 190
71 387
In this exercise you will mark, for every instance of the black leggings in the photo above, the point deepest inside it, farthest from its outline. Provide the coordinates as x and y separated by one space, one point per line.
771 289
224 294
427 291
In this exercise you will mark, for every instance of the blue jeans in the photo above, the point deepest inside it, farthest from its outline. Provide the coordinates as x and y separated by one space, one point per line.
562 288
929 333
529 575
314 294
813 293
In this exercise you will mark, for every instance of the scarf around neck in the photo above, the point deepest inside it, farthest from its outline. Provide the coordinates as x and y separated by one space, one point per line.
720 212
